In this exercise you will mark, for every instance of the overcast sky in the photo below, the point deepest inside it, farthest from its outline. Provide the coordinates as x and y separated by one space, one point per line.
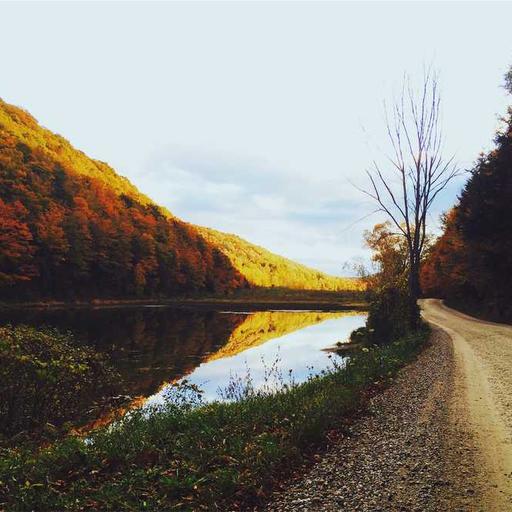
254 118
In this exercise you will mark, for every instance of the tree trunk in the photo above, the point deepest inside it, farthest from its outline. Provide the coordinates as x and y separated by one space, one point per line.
414 281
414 291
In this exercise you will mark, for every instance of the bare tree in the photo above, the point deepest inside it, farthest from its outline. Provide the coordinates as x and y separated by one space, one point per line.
406 184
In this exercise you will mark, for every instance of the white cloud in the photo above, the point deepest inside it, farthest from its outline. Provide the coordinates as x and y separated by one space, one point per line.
299 216
262 102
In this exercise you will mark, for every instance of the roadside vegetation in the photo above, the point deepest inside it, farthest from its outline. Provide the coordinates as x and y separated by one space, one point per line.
392 311
185 455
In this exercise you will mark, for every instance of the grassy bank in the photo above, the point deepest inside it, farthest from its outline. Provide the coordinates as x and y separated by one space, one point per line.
184 457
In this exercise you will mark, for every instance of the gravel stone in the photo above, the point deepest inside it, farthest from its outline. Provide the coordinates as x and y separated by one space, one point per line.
405 453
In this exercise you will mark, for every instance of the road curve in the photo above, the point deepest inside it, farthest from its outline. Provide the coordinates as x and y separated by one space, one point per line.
482 399
437 440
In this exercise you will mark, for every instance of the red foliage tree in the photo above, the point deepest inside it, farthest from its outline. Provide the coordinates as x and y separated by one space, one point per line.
16 245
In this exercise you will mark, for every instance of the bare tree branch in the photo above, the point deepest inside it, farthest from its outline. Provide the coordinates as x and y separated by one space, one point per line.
413 127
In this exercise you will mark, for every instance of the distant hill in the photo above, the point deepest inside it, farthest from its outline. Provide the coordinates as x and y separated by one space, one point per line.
74 228
266 269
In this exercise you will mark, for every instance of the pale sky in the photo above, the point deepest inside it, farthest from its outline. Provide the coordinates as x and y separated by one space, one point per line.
254 118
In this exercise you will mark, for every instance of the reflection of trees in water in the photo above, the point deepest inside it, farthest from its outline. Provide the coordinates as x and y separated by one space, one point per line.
170 344
147 345
263 326
150 346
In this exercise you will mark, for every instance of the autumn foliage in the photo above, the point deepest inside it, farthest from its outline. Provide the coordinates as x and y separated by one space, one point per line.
267 270
73 228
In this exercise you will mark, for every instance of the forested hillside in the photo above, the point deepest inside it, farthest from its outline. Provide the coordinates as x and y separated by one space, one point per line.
471 263
263 268
73 228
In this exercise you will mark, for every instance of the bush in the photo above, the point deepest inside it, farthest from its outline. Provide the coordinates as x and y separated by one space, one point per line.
392 314
47 378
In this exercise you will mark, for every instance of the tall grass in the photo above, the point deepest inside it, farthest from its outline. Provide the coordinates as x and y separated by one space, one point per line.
186 456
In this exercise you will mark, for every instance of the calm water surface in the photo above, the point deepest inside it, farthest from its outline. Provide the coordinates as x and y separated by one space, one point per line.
154 346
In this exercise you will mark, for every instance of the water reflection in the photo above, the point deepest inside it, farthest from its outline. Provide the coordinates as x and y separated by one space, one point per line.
148 346
154 346
271 347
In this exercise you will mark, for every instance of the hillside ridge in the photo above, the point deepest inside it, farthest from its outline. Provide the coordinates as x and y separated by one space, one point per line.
66 209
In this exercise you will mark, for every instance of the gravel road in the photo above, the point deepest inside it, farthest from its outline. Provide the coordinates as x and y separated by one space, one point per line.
483 356
437 440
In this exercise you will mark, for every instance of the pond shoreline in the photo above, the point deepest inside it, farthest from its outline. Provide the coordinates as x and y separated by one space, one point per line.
234 305
267 437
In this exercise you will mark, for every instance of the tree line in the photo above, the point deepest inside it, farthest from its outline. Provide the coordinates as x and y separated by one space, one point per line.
65 235
74 228
470 265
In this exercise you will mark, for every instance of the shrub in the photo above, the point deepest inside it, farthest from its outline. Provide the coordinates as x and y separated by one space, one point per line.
47 378
392 314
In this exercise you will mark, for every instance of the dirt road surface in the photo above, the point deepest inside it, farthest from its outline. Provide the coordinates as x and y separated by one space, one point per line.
439 439
483 395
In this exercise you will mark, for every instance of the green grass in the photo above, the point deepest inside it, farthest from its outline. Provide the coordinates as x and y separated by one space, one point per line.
185 457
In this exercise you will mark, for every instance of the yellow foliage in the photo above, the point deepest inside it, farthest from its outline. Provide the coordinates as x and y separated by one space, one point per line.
260 327
29 132
263 268
259 267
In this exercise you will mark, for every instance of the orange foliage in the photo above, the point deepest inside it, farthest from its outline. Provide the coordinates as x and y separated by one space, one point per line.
16 247
444 269
90 233
68 232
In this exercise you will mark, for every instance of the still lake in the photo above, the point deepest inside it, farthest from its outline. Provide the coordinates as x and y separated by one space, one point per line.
154 345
